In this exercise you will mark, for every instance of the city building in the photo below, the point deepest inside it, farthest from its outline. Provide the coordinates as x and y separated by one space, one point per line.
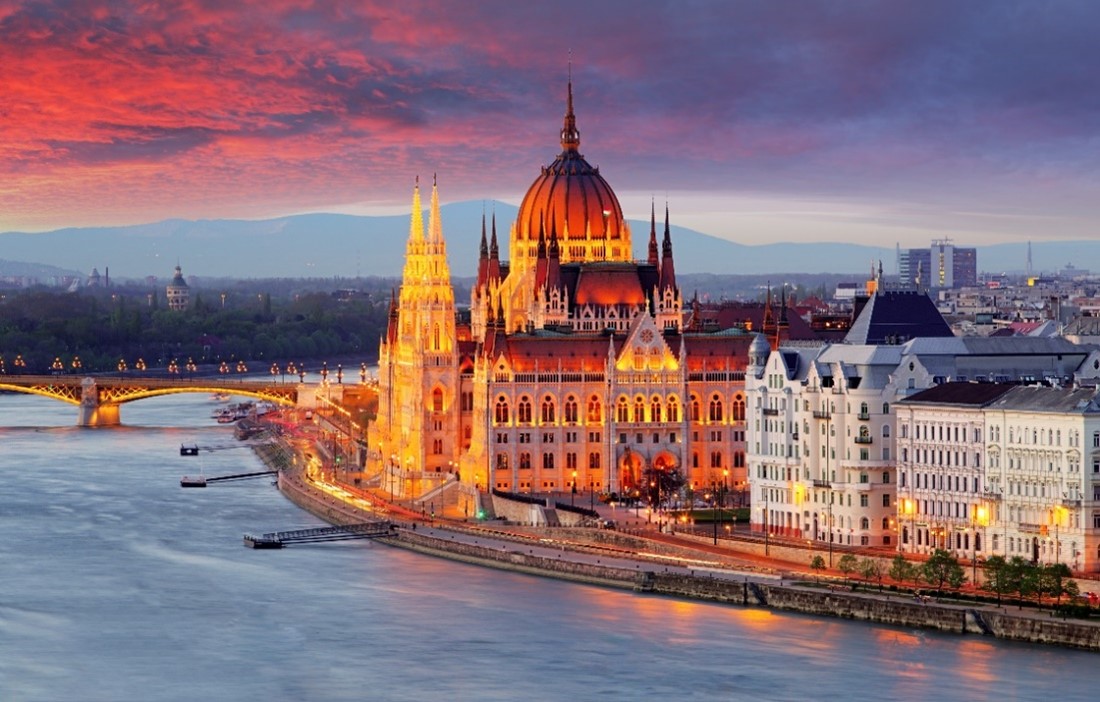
821 429
993 469
942 265
576 371
177 291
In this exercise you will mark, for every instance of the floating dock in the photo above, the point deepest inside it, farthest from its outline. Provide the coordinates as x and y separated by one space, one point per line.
203 481
279 539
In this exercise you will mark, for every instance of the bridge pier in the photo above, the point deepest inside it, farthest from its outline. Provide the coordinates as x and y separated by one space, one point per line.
99 416
94 413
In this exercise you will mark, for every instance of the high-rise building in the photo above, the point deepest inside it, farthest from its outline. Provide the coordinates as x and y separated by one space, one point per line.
942 265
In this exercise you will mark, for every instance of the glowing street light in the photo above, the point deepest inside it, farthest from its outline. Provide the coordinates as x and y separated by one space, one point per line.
241 367
140 365
363 373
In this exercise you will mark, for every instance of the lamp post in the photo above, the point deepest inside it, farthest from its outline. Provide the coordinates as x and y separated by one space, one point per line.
573 491
19 363
121 366
363 373
241 367
140 365
714 508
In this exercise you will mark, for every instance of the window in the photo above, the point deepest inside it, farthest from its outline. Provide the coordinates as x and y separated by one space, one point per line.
886 431
673 410
863 500
548 410
595 412
501 414
716 408
639 410
593 461
864 523
695 408
437 400
523 410
655 410
622 411
525 461
548 461
886 408
738 409
886 500
571 410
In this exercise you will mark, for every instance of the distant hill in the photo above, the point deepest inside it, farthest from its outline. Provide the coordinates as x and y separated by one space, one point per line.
40 271
324 245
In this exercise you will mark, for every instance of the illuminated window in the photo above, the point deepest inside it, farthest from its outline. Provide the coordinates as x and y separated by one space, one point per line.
716 409
595 413
548 410
655 410
523 410
571 409
437 400
673 410
501 414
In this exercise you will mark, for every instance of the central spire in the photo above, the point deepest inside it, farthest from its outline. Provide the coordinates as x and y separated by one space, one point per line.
570 137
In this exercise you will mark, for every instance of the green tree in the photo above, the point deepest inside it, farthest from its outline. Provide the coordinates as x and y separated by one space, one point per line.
1052 580
901 570
941 569
818 564
997 576
872 569
847 565
1022 578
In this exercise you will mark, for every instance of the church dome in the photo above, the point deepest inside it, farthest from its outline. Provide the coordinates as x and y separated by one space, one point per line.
572 200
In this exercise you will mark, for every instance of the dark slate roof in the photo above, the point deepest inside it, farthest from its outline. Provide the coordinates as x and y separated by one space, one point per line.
1038 398
976 394
896 316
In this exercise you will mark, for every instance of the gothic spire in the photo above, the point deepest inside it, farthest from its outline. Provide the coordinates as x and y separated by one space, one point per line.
652 234
483 256
416 224
435 225
668 270
570 137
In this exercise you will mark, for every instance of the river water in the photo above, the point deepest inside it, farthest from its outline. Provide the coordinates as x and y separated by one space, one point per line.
117 585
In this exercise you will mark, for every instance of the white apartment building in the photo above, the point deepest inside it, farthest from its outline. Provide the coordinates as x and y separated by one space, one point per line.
988 469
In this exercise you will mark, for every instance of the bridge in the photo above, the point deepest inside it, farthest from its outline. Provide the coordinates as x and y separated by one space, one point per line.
99 397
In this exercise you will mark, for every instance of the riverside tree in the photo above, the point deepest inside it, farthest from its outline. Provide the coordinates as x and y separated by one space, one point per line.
847 565
941 569
901 570
872 569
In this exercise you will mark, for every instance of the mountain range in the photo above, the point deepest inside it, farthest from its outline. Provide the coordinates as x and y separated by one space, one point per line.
335 245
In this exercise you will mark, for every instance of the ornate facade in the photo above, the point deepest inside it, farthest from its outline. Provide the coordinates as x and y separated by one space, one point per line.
577 369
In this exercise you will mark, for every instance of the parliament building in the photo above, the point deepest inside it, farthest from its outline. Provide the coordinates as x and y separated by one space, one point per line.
579 367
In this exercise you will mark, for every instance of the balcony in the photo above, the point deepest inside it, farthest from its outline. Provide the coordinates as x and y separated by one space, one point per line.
1071 503
865 416
822 484
863 440
770 412
822 414
1028 528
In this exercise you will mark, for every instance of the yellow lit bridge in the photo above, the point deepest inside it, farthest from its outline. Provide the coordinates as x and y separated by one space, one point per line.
99 397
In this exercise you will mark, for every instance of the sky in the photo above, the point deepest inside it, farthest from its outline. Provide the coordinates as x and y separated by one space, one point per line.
757 121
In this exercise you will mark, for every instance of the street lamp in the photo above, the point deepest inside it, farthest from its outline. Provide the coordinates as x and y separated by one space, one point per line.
324 372
140 365
76 364
573 491
57 365
363 373
223 368
339 374
241 367
173 367
122 366
191 367
19 363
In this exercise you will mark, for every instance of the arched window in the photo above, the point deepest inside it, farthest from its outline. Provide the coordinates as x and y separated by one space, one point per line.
523 410
639 409
571 409
673 410
501 415
886 431
886 408
655 410
595 411
738 409
622 411
594 460
502 461
548 461
864 523
694 408
547 410
716 408
524 461
435 338
437 400
885 523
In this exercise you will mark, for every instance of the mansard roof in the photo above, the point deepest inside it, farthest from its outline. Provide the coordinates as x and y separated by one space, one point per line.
1040 398
896 316
965 394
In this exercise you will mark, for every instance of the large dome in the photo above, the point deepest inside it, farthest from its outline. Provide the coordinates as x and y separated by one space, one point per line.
572 200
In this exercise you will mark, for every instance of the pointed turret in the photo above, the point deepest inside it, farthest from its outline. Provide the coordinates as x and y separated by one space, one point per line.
416 223
435 225
483 257
668 270
652 235
570 137
540 260
553 262
493 272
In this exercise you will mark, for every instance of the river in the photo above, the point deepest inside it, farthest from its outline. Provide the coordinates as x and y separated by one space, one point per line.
117 585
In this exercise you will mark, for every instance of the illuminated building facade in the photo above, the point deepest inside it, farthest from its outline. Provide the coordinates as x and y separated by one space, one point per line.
177 291
577 367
